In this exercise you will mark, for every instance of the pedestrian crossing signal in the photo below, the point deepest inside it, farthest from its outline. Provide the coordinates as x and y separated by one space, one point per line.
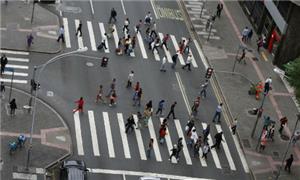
209 72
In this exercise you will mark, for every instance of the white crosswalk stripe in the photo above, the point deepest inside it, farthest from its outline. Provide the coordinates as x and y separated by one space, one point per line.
110 145
155 144
79 38
92 36
93 133
141 44
139 140
78 134
123 135
102 30
168 142
17 59
184 149
14 52
177 49
115 35
67 33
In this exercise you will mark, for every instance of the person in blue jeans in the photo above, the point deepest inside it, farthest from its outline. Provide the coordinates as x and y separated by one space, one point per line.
218 112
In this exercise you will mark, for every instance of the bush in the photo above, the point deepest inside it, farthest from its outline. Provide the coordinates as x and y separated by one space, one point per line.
292 70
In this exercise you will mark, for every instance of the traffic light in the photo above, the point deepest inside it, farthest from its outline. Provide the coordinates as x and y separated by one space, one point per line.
209 72
34 85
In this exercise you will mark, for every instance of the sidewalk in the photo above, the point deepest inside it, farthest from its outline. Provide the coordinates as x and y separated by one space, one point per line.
234 87
51 138
17 25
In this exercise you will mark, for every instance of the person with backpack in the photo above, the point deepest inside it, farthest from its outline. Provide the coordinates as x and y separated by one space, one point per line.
130 123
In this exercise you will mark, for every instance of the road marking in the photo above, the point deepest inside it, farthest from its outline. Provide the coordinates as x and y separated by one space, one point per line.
154 9
168 142
156 55
199 26
212 37
193 4
18 59
110 144
78 134
24 176
201 54
155 144
123 7
102 30
139 139
226 149
141 44
14 52
93 133
79 38
194 63
14 81
213 151
92 7
184 149
115 34
123 136
67 33
177 49
92 36
264 56
15 73
139 173
16 66
169 58
182 89
197 11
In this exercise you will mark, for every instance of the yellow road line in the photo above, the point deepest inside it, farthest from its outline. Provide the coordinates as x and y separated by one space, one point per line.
264 56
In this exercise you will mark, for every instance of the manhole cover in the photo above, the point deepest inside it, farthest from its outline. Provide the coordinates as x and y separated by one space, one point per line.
246 143
89 64
285 137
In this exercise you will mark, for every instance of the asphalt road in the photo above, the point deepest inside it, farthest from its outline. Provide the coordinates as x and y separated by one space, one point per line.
73 77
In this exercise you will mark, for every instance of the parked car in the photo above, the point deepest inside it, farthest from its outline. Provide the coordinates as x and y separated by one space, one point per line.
74 170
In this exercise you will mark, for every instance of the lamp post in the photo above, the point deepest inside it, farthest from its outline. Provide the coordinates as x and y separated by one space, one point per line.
42 67
241 46
204 2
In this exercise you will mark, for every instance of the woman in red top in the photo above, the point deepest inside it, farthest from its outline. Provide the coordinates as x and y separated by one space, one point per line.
162 134
80 103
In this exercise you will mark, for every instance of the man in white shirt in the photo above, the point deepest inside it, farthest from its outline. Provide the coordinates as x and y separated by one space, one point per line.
163 64
130 79
188 62
61 33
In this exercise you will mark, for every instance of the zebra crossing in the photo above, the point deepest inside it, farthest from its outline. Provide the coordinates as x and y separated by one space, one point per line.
91 40
104 122
16 68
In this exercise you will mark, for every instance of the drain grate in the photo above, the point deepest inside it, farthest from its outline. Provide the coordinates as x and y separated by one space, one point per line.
246 143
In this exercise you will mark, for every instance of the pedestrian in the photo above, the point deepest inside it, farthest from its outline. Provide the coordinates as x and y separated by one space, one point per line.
193 137
219 9
181 46
195 106
147 115
258 89
174 60
245 34
288 163
139 120
149 105
174 151
268 85
29 40
126 25
218 113
197 146
139 96
150 148
79 29
104 61
164 41
259 43
99 94
206 132
189 126
163 64
133 42
160 107
2 89
172 110
155 44
137 86
187 46
13 106
283 121
250 34
162 134
112 87
205 150
263 142
130 123
243 56
153 30
179 148
113 15
61 34
4 61
204 87
148 18
164 123
138 26
103 42
233 126
188 62
130 79
113 98
271 132
219 139
80 104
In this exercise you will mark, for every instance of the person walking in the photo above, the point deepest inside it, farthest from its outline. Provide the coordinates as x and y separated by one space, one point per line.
139 120
138 26
4 62
112 87
268 85
250 34
150 148
174 60
113 15
147 115
153 30
179 148
99 94
195 107
205 150
164 41
283 121
29 40
193 137
219 9
188 62
187 46
263 143
80 104
13 106
259 43
234 126
162 134
2 89
172 110
164 123
61 34
149 105
103 42
155 44
181 46
219 139
245 34
79 29
174 151
163 64
197 146
160 107
204 87
113 98
243 56
126 25
189 126
218 113
206 132
288 163
130 123
130 79
139 96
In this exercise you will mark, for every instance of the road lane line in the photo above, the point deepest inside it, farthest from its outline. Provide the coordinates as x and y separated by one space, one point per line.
154 9
139 139
184 149
15 73
116 37
201 54
17 59
102 30
169 58
16 175
141 44
226 149
93 133
67 33
92 36
194 63
79 38
78 134
110 145
123 7
213 151
14 52
123 136
182 89
16 66
92 7
177 49
155 144
168 142
14 81
156 55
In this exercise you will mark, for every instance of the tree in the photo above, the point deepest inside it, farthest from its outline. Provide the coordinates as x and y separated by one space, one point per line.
292 70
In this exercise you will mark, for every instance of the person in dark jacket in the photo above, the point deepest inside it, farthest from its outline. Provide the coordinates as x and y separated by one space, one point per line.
13 106
289 163
130 123
4 61
218 138
113 15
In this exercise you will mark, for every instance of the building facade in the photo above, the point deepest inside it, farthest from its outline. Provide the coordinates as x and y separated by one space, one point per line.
279 22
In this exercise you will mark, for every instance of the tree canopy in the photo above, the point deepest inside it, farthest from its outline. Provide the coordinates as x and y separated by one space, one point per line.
292 70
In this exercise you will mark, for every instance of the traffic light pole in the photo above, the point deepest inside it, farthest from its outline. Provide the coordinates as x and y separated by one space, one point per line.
31 89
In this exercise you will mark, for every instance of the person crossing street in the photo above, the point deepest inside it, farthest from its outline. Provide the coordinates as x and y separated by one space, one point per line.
205 150
79 29
204 87
174 151
188 62
4 61
130 123
160 107
130 79
61 34
219 139
80 104
113 15
218 113
172 110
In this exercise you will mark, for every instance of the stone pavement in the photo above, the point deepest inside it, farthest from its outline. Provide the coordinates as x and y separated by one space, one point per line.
17 25
51 137
221 53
